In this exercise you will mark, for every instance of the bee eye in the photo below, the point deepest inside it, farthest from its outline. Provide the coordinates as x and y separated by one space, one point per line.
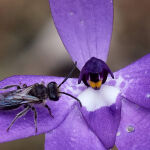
53 91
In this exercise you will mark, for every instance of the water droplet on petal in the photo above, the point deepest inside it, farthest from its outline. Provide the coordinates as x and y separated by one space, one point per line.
130 129
148 95
118 134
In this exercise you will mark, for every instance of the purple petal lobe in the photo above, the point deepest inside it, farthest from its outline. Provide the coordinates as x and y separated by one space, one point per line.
24 126
85 27
134 81
73 134
94 73
104 122
134 129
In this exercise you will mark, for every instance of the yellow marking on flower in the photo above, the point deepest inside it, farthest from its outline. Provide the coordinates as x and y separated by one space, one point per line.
95 84
98 84
92 84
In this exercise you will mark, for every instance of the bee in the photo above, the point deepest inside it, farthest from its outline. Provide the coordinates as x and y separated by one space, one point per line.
27 96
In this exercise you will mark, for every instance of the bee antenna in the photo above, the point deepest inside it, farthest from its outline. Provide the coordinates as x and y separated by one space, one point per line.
68 75
71 96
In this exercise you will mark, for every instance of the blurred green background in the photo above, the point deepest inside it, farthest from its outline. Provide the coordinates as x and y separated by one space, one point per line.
29 44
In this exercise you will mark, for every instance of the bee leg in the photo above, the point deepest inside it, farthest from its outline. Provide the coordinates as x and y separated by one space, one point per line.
49 110
10 86
24 86
35 118
19 115
42 82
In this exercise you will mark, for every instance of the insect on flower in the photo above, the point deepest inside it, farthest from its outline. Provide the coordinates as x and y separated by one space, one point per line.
27 96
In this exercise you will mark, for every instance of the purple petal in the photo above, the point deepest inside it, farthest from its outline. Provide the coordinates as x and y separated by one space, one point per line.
134 81
84 26
24 127
134 130
104 122
73 134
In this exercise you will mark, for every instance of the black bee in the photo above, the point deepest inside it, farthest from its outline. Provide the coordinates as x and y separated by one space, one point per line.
27 96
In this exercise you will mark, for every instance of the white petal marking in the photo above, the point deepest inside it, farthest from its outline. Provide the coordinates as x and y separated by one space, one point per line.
95 99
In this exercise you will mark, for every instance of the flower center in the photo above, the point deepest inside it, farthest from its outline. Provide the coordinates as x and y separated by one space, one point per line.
95 80
94 73
95 99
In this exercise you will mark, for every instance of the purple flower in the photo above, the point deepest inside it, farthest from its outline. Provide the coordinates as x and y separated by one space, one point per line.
117 113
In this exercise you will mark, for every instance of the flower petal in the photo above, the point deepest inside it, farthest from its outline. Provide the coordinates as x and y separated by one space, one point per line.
84 26
134 129
134 82
73 134
102 110
24 127
104 122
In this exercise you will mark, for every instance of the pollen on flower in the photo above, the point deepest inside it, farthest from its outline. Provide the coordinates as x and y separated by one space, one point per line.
94 73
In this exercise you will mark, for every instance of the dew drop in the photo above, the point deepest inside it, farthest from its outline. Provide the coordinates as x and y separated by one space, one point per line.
118 134
130 129
148 95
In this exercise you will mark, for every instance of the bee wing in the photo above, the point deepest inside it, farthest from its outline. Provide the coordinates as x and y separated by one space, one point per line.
22 91
8 87
16 98
25 90
9 103
14 101
27 98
